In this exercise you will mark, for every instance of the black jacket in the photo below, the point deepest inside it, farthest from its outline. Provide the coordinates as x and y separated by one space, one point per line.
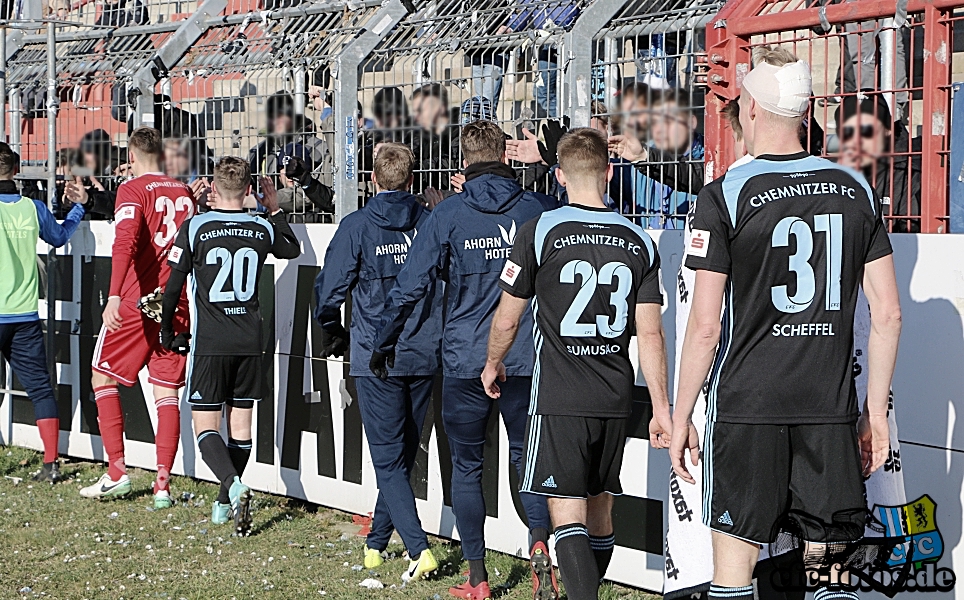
897 181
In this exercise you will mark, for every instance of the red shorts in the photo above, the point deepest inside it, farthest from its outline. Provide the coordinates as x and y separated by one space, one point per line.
122 354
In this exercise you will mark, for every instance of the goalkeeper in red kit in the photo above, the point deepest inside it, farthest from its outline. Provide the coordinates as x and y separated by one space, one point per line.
148 212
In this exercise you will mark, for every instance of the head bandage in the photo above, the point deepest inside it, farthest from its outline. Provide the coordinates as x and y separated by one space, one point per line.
782 90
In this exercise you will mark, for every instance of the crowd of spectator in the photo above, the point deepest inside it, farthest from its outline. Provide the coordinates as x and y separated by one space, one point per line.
655 138
654 124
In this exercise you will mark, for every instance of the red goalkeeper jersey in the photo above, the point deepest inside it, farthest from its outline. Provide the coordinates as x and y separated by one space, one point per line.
148 212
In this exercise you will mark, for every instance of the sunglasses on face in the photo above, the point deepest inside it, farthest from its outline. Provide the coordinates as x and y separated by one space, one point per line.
848 132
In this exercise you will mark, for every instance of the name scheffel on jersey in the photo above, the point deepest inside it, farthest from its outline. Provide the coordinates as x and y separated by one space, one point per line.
803 329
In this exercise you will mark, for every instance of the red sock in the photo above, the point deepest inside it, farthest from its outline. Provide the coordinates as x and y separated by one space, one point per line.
165 441
110 416
50 434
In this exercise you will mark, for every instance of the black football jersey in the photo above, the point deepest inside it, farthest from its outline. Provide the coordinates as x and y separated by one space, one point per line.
586 270
224 252
793 234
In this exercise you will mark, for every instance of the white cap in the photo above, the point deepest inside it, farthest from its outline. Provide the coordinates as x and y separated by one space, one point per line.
782 90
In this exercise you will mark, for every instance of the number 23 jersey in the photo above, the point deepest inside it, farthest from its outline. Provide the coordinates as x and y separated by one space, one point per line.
587 268
793 234
224 252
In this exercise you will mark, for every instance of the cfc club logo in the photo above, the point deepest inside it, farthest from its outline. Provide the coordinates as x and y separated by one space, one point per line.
902 557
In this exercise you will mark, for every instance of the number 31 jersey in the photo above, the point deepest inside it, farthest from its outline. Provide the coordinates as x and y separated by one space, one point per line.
793 234
224 252
587 268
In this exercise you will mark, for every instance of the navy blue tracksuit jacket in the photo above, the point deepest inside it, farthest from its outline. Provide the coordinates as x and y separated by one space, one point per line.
366 254
466 241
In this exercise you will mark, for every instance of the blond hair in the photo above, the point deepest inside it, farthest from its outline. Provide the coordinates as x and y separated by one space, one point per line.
393 166
232 176
583 153
773 55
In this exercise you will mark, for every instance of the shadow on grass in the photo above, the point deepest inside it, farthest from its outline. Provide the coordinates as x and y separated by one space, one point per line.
520 573
141 492
266 525
449 557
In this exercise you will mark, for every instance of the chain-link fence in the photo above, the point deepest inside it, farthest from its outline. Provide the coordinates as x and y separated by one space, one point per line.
648 86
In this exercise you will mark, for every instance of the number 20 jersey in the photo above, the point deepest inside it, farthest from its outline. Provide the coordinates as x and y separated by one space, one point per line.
793 234
587 268
224 252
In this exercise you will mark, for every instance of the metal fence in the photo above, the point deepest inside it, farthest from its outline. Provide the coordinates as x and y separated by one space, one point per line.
882 89
326 82
648 83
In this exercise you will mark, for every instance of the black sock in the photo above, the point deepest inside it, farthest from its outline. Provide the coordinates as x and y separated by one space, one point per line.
577 562
477 572
602 548
240 452
719 592
415 556
536 535
216 456
834 594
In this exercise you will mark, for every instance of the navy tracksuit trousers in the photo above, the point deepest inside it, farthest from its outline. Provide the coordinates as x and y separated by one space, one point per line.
22 345
465 414
393 412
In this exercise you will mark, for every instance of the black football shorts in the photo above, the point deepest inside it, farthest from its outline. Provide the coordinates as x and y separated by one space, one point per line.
573 457
216 380
760 478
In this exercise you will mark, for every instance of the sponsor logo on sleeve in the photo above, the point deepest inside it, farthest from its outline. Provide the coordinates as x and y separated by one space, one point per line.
125 212
175 255
699 243
510 272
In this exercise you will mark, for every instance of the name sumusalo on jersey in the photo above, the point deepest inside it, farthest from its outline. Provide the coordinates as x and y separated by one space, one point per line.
601 350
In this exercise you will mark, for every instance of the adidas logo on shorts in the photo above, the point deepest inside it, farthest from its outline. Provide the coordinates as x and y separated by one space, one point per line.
196 396
550 483
725 519
105 365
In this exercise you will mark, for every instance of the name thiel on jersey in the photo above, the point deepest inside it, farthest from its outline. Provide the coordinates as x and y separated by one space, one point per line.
398 251
496 248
